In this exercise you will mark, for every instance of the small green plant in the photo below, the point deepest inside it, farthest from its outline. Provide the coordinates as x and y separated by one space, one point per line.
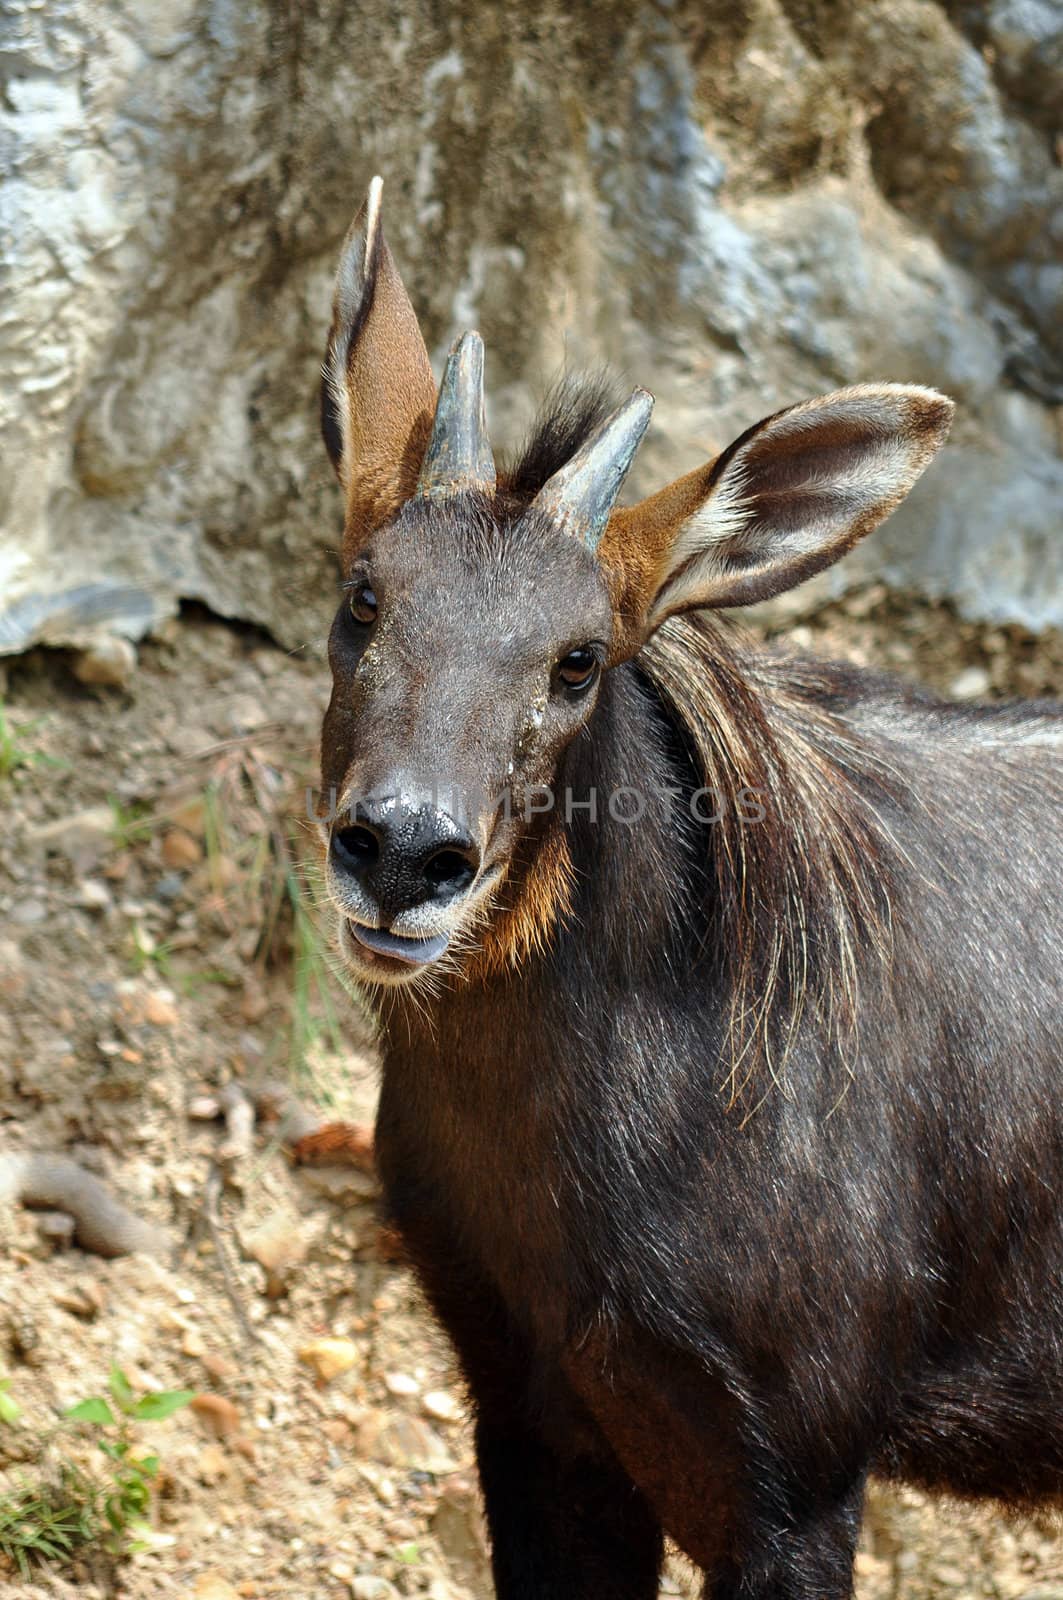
131 824
127 1497
190 983
15 754
146 953
69 1508
258 886
10 1410
315 1019
258 866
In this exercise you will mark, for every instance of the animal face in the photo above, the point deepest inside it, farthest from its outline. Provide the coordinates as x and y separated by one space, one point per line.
457 683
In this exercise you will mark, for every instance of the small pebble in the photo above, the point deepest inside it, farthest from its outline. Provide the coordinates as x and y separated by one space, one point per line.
212 1464
329 1357
213 1586
83 1298
973 683
28 913
279 1244
160 1008
217 1414
410 1443
246 713
189 740
442 1405
169 887
56 1228
368 1588
109 662
254 1002
12 971
191 816
24 1337
83 837
180 851
401 1383
94 895
218 1367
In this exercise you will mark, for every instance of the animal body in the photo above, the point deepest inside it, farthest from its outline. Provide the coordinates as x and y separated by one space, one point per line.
720 990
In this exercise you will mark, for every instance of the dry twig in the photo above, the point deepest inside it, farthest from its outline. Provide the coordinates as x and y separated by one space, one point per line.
102 1224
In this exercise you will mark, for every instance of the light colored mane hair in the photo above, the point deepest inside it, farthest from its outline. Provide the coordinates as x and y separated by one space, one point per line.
801 915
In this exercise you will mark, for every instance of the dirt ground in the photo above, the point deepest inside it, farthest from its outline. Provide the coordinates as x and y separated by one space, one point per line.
157 943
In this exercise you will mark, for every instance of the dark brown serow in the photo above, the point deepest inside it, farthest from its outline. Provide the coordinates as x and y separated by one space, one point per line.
721 1109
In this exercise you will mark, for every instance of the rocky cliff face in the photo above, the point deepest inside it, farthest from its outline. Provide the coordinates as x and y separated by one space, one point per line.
738 205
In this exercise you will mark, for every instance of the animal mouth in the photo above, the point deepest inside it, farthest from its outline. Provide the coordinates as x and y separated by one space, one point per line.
396 947
383 956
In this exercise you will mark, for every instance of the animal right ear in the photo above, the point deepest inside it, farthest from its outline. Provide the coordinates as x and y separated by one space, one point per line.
789 497
377 391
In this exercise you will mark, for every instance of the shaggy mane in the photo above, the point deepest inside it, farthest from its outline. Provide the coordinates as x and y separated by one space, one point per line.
571 411
802 898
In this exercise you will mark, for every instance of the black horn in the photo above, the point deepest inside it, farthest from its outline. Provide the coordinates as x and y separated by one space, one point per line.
581 495
459 452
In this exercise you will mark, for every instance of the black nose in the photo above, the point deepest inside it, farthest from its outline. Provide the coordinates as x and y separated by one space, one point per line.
404 855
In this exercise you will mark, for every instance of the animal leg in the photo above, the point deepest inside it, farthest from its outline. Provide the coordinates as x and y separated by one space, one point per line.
566 1521
564 1527
806 1554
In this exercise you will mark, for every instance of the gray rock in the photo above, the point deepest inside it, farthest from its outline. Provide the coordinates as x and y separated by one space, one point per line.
738 206
83 837
28 913
56 1229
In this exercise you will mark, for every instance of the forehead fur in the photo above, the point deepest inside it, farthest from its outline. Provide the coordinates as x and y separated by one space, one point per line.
481 563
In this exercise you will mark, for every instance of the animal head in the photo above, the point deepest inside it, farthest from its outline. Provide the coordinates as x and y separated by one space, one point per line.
482 610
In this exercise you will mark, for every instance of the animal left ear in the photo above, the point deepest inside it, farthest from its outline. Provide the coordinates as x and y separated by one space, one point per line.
789 497
377 393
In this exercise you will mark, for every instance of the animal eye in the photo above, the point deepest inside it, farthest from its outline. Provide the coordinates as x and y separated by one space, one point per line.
578 669
363 605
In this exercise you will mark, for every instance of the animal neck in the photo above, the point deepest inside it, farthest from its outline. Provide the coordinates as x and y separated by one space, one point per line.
801 860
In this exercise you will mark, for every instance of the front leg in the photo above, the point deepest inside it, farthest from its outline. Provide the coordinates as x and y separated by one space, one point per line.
565 1521
563 1525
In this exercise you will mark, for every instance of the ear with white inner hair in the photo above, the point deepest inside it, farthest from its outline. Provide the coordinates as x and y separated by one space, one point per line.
378 395
789 497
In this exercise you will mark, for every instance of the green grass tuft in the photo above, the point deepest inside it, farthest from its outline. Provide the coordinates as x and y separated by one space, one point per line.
15 754
69 1509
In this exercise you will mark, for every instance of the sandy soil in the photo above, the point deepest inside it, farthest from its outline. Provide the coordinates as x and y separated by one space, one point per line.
155 947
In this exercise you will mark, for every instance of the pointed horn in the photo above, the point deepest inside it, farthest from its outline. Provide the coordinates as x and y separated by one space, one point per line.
580 495
459 453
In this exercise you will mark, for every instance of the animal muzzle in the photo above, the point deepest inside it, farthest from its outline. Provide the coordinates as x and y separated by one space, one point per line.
398 864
